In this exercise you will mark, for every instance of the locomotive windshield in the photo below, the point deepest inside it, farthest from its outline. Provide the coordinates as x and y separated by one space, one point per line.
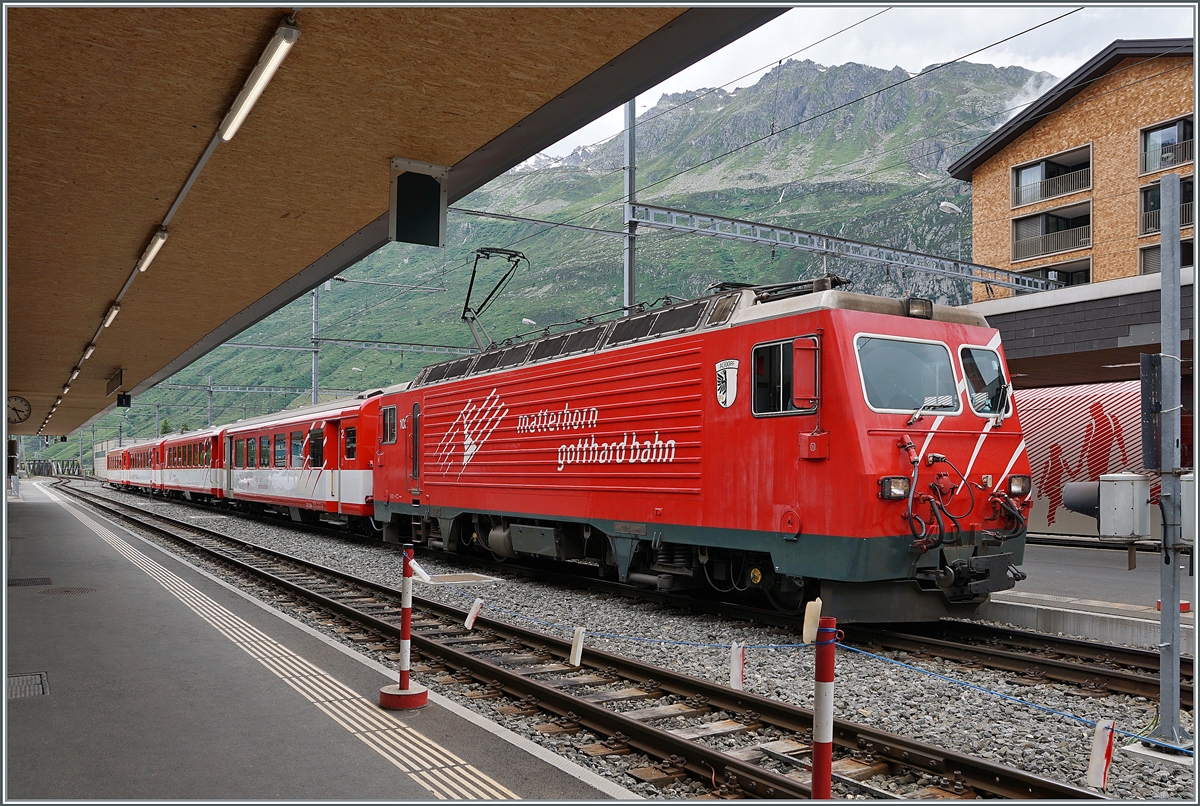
906 375
984 378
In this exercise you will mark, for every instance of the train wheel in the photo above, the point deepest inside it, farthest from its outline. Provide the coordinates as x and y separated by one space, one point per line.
789 601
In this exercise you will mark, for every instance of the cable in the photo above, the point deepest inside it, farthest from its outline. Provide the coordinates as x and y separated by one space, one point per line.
691 101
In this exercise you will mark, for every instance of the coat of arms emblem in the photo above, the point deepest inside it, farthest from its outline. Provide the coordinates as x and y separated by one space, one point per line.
727 382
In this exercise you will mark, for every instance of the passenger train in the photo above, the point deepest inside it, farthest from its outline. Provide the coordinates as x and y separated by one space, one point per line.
795 440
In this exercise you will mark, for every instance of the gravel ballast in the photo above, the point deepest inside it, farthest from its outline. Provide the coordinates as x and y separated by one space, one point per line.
868 690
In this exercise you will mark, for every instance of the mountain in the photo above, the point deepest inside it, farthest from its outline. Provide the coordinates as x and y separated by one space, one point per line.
798 149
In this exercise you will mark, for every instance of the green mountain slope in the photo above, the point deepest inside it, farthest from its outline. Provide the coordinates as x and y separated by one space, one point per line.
805 154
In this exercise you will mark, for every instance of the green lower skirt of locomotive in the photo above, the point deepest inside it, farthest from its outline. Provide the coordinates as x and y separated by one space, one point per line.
878 579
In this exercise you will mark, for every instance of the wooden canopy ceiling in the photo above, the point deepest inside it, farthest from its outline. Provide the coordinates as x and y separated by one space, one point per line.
110 109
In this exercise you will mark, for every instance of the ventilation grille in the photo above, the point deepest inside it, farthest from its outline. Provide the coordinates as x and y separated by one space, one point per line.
27 685
28 582
66 591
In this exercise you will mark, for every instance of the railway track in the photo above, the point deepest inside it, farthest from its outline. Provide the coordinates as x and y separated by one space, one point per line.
1093 669
626 704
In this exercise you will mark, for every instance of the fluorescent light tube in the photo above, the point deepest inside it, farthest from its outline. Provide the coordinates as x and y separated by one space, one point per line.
260 76
74 373
66 388
112 314
91 348
156 243
58 401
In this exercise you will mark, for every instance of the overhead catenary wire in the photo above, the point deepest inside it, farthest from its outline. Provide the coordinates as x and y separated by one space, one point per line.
650 118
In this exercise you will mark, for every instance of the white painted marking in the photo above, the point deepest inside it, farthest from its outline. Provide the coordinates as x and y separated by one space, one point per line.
532 748
355 715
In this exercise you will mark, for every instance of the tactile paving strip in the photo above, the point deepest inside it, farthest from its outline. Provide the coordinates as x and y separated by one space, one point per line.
435 768
27 685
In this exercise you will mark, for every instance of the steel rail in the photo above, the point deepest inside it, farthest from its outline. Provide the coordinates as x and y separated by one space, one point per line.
705 762
1097 677
1105 653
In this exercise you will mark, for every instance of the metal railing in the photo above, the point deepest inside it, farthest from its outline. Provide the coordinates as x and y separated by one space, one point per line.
1078 238
1157 159
1052 187
1151 222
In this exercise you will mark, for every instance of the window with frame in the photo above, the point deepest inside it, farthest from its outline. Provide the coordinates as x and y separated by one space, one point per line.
773 378
281 450
351 443
907 375
264 451
1166 145
387 425
985 379
239 453
1151 257
316 448
297 448
252 452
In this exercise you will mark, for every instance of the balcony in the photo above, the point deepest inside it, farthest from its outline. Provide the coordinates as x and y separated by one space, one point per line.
1167 156
1150 219
1053 187
1063 241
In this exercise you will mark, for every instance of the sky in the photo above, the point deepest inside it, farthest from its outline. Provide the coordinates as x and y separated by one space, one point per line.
912 37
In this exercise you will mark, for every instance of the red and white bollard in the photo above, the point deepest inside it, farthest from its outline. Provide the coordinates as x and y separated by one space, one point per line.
407 694
822 752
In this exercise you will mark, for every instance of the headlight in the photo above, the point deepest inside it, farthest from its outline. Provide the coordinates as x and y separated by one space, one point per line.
1018 486
893 488
918 308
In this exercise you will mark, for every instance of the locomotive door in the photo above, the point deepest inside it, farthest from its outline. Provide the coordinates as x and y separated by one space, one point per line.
414 451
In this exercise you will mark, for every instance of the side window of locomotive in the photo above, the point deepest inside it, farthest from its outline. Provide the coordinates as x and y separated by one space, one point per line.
316 448
239 453
905 376
281 450
772 367
251 453
351 443
985 379
387 425
297 449
264 451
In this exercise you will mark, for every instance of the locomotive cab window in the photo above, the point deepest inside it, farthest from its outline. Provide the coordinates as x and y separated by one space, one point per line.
907 376
351 442
387 425
777 389
985 381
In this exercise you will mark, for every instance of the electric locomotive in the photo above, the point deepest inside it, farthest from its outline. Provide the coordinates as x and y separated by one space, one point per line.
797 440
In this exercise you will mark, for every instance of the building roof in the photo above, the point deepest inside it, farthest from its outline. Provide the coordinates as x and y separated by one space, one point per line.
111 110
1064 91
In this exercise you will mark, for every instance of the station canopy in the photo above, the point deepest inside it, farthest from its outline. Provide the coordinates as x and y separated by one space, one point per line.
111 109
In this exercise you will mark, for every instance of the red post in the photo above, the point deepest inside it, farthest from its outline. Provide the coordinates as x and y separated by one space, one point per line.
406 619
822 753
406 695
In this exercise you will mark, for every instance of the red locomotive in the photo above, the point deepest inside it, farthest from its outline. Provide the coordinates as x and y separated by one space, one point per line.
793 440
797 440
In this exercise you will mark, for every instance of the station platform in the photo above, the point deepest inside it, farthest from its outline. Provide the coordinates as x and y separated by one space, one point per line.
133 675
1091 592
